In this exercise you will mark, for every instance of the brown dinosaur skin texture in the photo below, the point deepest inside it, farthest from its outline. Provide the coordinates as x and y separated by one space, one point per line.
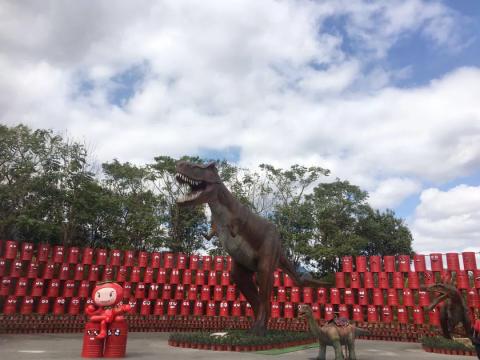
253 242
332 335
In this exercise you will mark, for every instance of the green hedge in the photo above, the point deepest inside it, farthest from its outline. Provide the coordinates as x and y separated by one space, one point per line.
439 342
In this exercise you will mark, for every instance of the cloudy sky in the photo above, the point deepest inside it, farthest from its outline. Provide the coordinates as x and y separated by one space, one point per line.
385 94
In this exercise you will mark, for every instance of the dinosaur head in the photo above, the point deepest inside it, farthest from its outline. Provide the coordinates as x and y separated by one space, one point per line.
304 311
201 180
441 291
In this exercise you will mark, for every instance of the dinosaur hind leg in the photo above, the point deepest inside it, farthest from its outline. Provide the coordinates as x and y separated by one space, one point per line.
243 278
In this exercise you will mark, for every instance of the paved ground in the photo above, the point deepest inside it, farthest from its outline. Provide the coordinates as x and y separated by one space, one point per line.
154 346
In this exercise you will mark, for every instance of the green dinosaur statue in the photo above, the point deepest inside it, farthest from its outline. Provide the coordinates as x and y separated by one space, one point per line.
253 242
331 334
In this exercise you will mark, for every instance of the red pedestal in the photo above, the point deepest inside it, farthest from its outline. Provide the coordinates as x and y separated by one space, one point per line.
92 347
116 341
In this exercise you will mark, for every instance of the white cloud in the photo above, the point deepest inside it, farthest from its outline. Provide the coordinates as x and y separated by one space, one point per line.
390 192
448 220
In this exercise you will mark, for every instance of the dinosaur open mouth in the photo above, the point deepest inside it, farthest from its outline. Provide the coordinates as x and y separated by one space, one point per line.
194 188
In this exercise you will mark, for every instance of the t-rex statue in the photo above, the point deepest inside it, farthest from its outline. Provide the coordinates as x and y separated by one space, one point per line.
334 333
253 242
453 312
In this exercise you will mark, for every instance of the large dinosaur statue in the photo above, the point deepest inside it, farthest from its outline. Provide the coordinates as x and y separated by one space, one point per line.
253 242
332 334
453 312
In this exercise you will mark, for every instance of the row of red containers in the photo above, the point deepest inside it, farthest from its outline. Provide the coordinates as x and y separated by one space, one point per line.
411 279
402 263
89 256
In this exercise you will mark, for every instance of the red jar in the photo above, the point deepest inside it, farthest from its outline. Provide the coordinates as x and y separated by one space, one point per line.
129 258
192 293
93 273
211 310
16 269
295 294
343 311
212 278
469 261
231 293
59 306
287 281
127 290
200 277
223 309
64 271
179 292
218 263
218 293
386 314
198 308
153 291
148 275
276 279
21 287
84 289
49 270
322 296
193 262
10 305
413 282
172 308
281 294
462 280
428 278
140 291
53 288
205 293
307 295
78 274
107 274
355 280
145 308
43 305
288 311
423 298
392 297
74 306
418 315
161 276
225 279
3 266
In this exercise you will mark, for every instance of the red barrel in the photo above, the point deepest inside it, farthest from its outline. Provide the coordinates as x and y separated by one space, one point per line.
122 274
322 296
181 261
116 258
237 308
101 255
53 288
127 290
281 294
295 294
418 315
316 311
392 297
419 263
116 341
58 254
377 297
383 280
161 276
476 279
387 314
402 315
413 281
84 289
156 260
212 278
11 247
288 311
231 293
229 263
200 277
107 274
398 280
287 281
334 296
357 313
469 261
223 309
73 255
135 275
375 263
3 266
185 308
423 298
187 277
64 272
473 299
347 264
192 293
193 262
340 280
145 307
142 259
129 258
133 305
68 288
218 263
225 278
74 306
140 291
307 295
408 297
5 286
78 273
37 288
453 263
207 262
43 252
389 263
93 273
211 309
148 275
217 293
248 310
355 280
403 263
462 280
343 311
87 256
153 291
26 253
166 292
59 306
372 315
198 308
27 305
361 263
434 317
205 293
168 260
172 308
43 305
16 269
368 280
362 297
349 297
276 279
92 347
179 292
436 262
329 312
428 278
158 308
445 276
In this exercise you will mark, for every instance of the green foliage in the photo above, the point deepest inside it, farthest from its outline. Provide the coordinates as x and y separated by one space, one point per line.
439 342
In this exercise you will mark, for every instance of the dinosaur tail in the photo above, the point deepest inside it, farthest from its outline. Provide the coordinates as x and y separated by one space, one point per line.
304 280
361 332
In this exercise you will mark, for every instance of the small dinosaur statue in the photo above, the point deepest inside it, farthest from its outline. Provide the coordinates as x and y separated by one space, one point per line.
332 334
253 242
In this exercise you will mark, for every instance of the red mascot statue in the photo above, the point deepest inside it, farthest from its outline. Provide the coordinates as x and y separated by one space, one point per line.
106 331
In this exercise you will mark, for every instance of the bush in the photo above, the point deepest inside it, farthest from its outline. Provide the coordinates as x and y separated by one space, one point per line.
439 342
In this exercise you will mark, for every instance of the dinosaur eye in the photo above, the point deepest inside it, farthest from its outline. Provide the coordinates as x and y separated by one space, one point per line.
98 295
111 293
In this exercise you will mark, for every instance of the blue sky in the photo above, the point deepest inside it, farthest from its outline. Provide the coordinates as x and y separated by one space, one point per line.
384 94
